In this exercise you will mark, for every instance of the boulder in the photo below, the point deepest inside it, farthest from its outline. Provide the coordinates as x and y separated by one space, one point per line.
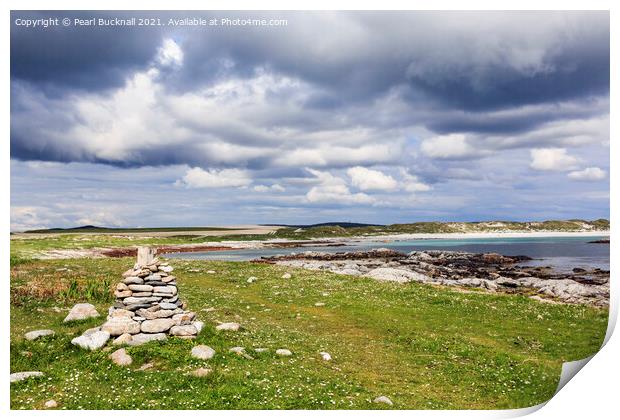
92 339
133 280
122 293
33 335
157 325
121 325
120 313
183 330
122 339
228 326
139 300
142 338
199 325
203 352
121 358
184 318
140 288
81 311
396 275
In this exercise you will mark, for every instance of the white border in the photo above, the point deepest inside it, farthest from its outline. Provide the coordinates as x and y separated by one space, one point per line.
593 393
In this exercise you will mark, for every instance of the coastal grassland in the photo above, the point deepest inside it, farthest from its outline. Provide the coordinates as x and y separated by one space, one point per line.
424 347
33 245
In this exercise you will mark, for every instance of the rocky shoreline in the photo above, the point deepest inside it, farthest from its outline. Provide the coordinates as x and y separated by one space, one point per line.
491 272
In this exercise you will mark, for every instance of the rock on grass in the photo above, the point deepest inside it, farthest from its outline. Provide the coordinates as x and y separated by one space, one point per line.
201 372
20 376
51 404
228 326
203 352
92 339
121 358
81 311
33 335
284 352
383 400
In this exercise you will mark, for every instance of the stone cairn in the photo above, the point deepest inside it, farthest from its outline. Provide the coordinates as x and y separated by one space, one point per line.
148 306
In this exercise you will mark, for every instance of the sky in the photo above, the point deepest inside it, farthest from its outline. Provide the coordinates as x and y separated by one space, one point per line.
375 117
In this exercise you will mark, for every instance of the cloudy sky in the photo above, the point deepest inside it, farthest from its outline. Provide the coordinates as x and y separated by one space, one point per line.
366 117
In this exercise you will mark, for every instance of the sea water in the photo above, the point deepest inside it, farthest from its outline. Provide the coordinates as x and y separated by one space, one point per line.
562 253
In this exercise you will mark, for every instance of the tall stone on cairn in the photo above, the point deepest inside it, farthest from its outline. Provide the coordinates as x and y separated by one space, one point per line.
147 304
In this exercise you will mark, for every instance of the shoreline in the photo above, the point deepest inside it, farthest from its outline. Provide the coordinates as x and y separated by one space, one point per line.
484 235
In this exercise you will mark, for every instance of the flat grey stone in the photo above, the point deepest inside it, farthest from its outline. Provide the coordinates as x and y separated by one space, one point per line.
33 335
142 338
20 376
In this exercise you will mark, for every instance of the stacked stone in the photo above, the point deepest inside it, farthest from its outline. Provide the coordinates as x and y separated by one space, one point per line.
148 306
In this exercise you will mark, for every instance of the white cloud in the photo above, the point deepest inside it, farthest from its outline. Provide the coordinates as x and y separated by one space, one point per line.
212 178
27 218
588 174
411 183
267 188
552 159
332 189
170 53
452 146
369 179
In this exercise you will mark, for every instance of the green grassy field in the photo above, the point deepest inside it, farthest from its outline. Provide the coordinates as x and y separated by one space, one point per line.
422 346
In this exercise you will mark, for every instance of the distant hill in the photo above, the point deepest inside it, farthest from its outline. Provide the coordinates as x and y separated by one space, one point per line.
98 229
334 229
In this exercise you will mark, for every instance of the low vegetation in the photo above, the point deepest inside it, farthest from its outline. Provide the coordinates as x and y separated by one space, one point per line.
424 347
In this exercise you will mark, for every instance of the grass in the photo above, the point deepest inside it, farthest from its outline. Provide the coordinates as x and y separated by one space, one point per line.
424 347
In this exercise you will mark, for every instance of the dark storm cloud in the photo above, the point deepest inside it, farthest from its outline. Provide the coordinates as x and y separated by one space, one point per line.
60 58
486 73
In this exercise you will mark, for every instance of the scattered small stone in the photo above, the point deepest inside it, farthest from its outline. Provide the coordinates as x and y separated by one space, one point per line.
20 376
241 352
33 335
211 309
286 275
201 372
261 349
81 311
210 271
51 404
121 358
203 352
284 352
146 366
319 304
252 279
228 326
325 355
383 400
